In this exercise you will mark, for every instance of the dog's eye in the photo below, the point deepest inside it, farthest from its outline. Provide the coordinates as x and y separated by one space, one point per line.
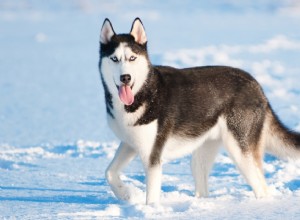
132 58
114 59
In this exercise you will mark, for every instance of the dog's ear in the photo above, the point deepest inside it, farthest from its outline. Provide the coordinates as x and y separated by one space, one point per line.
107 32
138 31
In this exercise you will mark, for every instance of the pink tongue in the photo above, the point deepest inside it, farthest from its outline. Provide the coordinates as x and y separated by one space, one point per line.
126 95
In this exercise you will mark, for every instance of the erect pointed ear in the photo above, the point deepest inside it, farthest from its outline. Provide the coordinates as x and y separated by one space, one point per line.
107 32
138 31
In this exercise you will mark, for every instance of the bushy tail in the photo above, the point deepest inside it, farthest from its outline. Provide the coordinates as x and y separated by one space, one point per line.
280 141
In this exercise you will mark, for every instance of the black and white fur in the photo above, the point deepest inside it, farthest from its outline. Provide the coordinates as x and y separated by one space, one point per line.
180 111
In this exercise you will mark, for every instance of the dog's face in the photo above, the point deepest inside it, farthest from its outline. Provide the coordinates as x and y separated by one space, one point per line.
124 63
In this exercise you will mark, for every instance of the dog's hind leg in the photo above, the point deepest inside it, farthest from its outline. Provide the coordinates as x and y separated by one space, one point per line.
201 164
122 157
250 165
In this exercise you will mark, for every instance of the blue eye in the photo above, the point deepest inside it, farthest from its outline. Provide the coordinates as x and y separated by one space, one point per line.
132 58
114 59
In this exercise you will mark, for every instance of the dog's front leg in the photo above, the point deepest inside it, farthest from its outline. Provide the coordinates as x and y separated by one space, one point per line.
153 181
122 157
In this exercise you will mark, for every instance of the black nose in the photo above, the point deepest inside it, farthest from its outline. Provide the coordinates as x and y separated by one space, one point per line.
125 78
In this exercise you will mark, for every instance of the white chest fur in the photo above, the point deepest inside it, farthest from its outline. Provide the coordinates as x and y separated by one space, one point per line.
140 137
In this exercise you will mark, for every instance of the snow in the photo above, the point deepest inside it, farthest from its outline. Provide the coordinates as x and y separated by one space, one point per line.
67 182
54 141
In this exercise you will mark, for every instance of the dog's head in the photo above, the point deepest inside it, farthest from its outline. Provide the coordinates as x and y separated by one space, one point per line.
124 62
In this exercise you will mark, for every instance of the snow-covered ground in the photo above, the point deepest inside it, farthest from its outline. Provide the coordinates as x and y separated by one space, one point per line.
67 182
54 140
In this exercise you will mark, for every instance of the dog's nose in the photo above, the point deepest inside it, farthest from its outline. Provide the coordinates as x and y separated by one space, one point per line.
125 78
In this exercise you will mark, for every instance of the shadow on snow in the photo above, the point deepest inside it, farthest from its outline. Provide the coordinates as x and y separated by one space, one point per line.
97 197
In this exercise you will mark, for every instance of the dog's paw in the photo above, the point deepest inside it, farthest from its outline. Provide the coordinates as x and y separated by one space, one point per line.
125 197
122 193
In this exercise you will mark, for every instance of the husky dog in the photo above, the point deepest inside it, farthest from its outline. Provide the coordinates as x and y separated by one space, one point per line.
160 112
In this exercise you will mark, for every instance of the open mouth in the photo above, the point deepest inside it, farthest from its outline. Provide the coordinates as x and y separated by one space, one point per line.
118 87
125 93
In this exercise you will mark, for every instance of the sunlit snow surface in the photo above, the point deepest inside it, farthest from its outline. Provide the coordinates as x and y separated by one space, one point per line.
67 182
54 140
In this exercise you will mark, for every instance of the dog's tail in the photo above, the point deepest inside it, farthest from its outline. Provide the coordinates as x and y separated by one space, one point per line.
279 140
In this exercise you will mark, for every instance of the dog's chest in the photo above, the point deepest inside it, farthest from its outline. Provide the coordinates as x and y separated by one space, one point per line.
140 137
